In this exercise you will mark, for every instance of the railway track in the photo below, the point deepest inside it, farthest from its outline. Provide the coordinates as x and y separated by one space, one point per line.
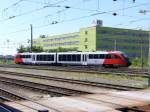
20 97
38 87
46 89
86 69
72 81
11 96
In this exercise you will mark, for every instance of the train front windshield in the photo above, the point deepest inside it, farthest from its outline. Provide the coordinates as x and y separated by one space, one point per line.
127 59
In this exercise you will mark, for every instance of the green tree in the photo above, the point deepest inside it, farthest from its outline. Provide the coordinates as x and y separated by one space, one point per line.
37 49
22 49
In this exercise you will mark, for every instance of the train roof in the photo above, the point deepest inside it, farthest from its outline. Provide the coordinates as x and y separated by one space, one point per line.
27 53
72 52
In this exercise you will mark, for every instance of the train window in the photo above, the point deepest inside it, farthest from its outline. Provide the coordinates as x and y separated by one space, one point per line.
68 57
108 56
45 57
60 57
63 57
90 56
40 57
73 57
28 56
23 56
101 56
18 56
48 58
114 56
95 56
78 57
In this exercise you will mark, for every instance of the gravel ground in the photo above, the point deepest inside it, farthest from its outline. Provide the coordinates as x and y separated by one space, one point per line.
85 88
22 91
118 80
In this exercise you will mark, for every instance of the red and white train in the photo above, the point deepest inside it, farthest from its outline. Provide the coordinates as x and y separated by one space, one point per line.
103 58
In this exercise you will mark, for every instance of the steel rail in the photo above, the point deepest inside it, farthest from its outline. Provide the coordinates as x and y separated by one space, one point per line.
89 83
8 93
25 98
86 69
44 88
4 98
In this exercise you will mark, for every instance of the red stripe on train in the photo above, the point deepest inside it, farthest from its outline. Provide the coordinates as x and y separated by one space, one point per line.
18 60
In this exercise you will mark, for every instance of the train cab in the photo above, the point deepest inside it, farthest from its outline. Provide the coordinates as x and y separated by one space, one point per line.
117 59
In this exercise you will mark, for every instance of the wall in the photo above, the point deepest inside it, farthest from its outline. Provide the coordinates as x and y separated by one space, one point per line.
88 39
128 41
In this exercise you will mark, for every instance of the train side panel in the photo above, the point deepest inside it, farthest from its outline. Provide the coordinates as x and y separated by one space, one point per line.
115 59
23 58
70 58
105 58
96 58
44 58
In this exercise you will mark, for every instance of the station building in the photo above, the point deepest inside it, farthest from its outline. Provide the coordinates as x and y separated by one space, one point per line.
132 42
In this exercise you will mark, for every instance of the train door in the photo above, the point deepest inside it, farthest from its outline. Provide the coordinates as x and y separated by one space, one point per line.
84 59
33 59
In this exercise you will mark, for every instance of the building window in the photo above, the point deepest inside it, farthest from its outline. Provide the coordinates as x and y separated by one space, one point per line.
86 46
86 40
86 32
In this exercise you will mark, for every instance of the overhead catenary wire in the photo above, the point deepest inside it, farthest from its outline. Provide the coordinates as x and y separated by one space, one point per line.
69 20
32 11
49 15
12 5
61 1
94 14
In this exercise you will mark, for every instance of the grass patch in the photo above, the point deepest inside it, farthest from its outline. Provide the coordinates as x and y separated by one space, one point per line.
7 62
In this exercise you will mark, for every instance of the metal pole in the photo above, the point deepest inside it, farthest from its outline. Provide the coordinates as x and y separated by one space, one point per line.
149 62
115 45
98 4
141 53
31 37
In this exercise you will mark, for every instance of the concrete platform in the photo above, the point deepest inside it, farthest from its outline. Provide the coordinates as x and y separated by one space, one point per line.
105 102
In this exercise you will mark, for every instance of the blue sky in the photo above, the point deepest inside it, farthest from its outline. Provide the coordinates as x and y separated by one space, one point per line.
71 15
